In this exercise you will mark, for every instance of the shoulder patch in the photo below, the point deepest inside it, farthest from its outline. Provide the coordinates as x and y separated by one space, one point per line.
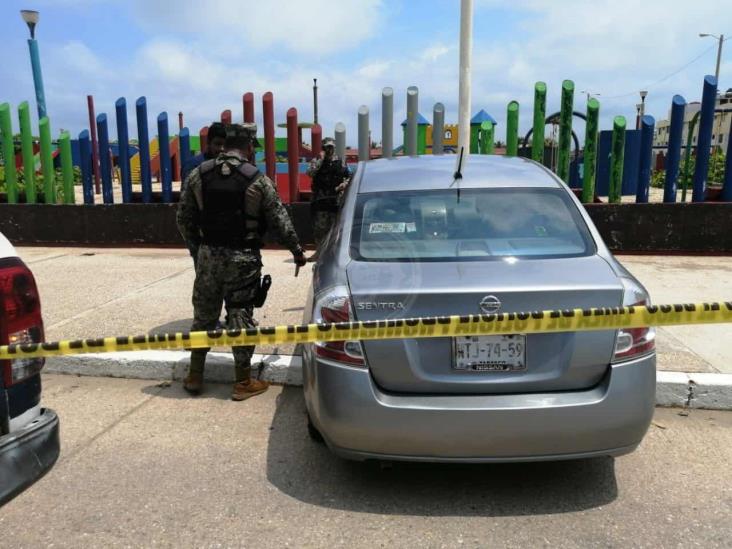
207 165
248 170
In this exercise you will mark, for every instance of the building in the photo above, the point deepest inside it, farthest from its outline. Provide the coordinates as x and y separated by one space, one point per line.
720 128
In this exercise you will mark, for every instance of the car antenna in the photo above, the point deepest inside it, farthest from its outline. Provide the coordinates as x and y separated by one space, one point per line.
458 175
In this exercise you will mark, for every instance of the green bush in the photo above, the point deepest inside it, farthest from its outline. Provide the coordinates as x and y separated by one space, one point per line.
59 181
715 175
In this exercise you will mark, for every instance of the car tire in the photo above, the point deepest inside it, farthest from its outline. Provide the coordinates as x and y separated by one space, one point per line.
314 433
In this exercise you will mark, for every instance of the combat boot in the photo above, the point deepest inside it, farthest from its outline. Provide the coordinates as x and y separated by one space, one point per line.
249 388
193 382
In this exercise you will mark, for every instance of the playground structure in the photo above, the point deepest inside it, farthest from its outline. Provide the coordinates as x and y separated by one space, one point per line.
610 163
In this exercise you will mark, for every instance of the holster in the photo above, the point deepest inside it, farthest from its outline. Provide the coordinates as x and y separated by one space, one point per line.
262 289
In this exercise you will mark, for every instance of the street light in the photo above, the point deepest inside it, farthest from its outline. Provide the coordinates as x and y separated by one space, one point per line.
720 38
590 94
31 19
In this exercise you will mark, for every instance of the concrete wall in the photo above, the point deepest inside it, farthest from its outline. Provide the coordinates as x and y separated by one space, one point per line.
645 228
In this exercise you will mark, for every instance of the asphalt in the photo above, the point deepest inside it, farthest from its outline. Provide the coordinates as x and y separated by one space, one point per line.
145 465
110 292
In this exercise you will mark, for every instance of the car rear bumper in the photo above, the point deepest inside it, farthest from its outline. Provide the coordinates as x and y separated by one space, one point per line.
360 421
27 454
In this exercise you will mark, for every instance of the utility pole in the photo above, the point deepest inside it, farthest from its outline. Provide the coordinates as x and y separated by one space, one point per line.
466 47
315 100
720 40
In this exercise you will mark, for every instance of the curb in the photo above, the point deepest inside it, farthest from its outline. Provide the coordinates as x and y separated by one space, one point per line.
673 389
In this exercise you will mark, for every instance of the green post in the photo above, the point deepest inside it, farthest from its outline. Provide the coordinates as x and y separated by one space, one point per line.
537 141
6 133
565 130
486 137
590 163
67 167
49 174
616 160
512 129
29 163
422 139
687 155
474 132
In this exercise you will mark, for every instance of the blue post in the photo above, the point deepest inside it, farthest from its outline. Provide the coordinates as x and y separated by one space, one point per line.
37 77
727 189
185 151
143 139
85 162
704 140
646 149
123 140
673 153
165 175
105 162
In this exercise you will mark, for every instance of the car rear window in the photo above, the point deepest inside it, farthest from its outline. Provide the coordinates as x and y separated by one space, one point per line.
483 224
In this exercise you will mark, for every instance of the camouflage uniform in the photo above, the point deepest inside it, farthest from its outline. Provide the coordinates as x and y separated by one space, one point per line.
327 174
230 275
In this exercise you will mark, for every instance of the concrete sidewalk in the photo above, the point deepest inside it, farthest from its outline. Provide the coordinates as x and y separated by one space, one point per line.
110 292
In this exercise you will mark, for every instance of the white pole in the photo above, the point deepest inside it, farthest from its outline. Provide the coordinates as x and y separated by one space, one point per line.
466 49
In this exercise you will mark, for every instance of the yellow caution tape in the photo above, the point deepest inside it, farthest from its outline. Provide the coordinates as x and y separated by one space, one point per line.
560 320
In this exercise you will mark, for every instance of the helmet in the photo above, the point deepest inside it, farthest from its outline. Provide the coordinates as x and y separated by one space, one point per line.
238 133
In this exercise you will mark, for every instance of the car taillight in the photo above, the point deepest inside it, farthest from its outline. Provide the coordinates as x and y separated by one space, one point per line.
632 343
337 308
20 318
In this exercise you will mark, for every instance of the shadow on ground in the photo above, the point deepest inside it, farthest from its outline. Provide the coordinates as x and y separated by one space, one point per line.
308 472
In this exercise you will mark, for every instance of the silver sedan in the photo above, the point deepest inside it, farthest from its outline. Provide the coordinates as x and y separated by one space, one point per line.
509 236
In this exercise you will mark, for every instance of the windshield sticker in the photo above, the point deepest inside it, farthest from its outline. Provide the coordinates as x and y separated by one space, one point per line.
390 228
411 227
540 231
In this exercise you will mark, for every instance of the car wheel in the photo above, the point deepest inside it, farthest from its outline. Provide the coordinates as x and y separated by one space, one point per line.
314 433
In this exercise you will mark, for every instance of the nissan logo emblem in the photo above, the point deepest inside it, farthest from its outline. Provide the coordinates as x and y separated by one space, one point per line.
490 304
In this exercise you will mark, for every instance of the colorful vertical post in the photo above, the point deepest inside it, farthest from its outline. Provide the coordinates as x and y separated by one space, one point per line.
565 130
316 135
704 139
438 129
94 143
410 145
123 142
616 160
590 161
364 147
340 141
143 140
29 164
487 137
49 174
248 103
537 141
269 135
293 155
226 117
67 167
165 166
676 129
512 118
6 133
387 122
105 162
185 151
87 172
648 125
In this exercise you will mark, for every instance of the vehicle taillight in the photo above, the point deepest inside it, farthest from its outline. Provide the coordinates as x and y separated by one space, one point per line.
632 343
20 318
337 308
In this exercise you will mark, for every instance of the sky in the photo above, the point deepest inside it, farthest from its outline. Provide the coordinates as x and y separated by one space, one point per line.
199 57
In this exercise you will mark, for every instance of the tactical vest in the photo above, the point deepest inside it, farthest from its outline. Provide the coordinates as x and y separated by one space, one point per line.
224 221
325 181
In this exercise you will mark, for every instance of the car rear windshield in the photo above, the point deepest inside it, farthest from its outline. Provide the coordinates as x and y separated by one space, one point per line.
482 224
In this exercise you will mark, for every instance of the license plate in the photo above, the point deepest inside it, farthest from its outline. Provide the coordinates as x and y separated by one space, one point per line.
500 353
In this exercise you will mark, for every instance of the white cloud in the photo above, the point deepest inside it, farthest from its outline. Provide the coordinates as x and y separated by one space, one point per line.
303 26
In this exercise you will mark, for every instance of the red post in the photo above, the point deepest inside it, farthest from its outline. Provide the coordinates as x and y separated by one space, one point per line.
226 117
95 147
180 121
203 135
316 135
293 154
248 101
269 135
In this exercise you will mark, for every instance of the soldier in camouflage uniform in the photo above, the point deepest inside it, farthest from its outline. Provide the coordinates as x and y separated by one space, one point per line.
225 208
330 178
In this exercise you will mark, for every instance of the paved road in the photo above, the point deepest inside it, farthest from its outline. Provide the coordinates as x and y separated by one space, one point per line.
144 465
